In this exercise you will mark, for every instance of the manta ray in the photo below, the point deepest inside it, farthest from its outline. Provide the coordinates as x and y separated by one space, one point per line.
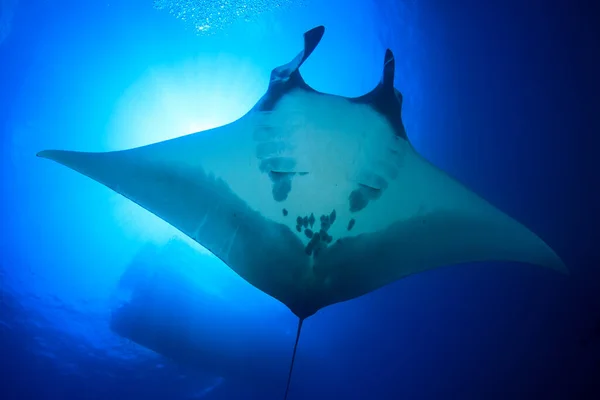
314 198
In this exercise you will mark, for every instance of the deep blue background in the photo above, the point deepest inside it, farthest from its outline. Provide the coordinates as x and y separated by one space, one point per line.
501 94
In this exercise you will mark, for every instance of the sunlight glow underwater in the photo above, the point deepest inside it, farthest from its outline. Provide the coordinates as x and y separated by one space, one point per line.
176 100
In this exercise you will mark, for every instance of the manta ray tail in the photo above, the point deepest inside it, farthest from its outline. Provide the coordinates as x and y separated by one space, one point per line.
287 389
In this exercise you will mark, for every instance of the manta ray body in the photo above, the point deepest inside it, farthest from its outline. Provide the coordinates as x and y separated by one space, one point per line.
314 198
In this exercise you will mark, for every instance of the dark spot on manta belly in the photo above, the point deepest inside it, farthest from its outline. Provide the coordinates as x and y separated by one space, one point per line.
351 224
285 212
282 185
318 240
359 198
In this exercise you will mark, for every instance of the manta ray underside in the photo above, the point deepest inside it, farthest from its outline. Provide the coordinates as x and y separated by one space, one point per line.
314 198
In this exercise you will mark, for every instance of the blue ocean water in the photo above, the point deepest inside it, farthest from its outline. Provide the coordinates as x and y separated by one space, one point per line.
99 299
